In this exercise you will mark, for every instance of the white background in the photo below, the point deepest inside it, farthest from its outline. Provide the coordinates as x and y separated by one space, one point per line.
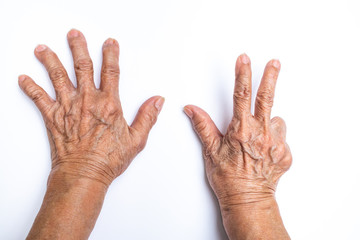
186 51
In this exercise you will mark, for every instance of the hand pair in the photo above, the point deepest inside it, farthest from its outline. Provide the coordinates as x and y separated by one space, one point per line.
91 142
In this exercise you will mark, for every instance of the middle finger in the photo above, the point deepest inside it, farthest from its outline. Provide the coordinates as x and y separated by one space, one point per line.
82 62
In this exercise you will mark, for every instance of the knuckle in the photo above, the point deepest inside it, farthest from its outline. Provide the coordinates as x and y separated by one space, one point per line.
112 109
278 124
110 69
36 95
111 106
141 144
232 143
147 115
200 127
139 141
234 132
242 136
278 150
278 121
265 98
282 149
57 73
58 117
84 64
242 93
287 162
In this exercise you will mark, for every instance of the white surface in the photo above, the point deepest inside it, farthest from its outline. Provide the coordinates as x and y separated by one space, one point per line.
186 51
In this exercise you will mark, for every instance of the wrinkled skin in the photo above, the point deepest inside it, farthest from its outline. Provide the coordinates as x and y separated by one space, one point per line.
87 132
248 161
91 143
244 165
252 155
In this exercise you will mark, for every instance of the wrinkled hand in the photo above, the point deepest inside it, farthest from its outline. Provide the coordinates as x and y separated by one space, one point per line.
88 134
245 164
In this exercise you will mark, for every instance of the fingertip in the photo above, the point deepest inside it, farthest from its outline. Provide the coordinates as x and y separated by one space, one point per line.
21 80
194 109
243 59
188 106
40 51
188 111
73 33
275 63
111 42
159 102
40 48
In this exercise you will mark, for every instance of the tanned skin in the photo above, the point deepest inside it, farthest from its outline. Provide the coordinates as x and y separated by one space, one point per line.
91 144
244 165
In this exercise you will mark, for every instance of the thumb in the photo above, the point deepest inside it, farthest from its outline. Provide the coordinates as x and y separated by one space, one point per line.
203 125
145 119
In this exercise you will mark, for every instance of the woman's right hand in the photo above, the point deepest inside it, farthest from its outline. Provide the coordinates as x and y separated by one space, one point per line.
88 135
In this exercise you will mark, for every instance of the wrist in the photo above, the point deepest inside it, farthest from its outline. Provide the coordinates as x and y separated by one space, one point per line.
244 195
64 177
254 220
250 203
249 200
84 167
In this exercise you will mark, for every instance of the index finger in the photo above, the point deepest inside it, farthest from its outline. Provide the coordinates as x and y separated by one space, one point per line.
242 90
265 95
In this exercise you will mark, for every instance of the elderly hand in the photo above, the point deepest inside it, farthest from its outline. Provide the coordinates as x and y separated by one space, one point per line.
88 134
244 165
91 143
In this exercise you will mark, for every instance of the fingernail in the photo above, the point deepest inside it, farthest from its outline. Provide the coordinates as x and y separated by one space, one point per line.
188 112
40 48
109 41
244 58
73 33
21 78
159 103
276 63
